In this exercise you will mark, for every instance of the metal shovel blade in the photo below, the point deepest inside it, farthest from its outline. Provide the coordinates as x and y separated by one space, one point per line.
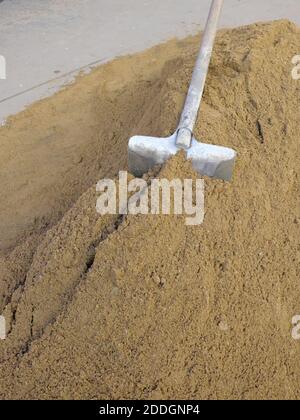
146 152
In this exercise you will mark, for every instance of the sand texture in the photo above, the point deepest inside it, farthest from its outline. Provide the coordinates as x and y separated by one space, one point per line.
145 306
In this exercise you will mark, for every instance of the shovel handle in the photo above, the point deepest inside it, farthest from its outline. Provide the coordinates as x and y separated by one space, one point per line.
195 93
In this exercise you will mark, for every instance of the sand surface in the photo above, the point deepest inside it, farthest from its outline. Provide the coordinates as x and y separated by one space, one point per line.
142 306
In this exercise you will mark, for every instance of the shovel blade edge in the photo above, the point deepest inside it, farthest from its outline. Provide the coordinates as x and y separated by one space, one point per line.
146 152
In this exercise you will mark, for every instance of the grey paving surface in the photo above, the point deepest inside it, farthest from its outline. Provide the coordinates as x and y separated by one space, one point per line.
44 41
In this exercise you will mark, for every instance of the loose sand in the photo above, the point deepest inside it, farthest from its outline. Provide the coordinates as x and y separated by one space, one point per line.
146 307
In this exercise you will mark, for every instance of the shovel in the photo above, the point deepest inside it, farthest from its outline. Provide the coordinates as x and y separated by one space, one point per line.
207 159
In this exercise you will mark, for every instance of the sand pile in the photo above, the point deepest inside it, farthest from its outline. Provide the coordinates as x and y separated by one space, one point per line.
147 307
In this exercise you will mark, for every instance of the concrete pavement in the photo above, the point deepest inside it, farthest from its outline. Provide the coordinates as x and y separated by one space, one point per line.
46 43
